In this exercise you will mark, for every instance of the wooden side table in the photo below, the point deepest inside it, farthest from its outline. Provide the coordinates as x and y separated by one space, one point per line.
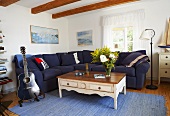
164 65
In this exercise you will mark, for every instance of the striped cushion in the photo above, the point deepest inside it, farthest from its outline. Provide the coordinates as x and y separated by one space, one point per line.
41 63
133 58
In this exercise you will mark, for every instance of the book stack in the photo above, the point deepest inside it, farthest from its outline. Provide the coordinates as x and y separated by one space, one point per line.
3 69
5 80
3 60
99 76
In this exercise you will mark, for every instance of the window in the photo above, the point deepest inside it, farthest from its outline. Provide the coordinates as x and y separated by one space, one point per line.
123 39
121 32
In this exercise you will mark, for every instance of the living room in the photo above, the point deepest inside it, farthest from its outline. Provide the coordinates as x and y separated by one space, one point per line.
16 20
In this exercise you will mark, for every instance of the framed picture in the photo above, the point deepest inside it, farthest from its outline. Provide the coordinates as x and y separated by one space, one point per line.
84 37
42 35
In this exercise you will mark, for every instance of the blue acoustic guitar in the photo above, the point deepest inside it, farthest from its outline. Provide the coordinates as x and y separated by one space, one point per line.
28 88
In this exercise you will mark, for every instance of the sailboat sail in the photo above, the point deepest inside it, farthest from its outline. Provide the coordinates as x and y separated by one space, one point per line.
168 34
165 43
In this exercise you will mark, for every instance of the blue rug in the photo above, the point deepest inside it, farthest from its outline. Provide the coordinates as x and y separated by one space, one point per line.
76 104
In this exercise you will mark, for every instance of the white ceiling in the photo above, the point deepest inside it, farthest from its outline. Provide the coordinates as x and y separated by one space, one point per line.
34 3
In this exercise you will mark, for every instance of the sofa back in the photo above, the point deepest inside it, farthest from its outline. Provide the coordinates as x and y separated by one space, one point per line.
123 55
18 59
52 59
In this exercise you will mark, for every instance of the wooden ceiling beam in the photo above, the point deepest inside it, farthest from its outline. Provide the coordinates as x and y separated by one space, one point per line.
91 7
51 5
7 2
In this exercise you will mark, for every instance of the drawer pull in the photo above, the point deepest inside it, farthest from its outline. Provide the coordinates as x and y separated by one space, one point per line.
166 63
165 71
99 88
67 83
166 57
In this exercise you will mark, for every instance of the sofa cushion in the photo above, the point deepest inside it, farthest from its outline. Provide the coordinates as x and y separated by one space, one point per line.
130 71
100 68
51 73
59 56
65 69
123 55
144 59
41 63
83 66
39 56
87 58
30 64
76 58
67 59
79 54
132 58
51 59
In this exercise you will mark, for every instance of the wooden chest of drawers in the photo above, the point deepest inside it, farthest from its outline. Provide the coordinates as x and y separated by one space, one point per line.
164 66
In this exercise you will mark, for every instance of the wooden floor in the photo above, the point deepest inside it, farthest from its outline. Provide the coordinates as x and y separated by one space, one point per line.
163 89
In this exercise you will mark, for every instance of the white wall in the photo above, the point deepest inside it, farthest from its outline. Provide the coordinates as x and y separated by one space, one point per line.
15 24
156 14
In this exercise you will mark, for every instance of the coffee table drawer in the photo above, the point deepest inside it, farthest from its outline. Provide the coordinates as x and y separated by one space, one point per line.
101 87
68 83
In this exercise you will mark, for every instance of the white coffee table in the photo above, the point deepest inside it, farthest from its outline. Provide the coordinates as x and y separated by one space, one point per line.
87 84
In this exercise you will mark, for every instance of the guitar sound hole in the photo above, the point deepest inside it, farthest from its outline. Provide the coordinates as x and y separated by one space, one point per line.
26 80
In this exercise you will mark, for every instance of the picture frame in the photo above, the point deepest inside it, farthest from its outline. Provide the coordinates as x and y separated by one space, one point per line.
43 35
84 38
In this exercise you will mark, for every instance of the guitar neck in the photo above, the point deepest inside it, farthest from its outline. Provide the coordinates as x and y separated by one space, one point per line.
25 65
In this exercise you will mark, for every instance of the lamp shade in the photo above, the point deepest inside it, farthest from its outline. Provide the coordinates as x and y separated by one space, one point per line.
146 35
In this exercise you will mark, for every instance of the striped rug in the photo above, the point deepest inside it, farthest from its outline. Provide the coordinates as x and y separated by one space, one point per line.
76 104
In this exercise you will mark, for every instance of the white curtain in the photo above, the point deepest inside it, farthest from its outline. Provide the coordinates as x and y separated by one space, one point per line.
134 18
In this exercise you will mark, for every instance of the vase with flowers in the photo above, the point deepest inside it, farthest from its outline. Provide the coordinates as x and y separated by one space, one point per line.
106 57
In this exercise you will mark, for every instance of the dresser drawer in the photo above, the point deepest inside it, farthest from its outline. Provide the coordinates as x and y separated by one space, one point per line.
101 87
165 57
164 64
68 83
165 72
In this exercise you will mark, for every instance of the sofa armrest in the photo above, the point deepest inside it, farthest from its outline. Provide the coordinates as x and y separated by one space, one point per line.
141 71
38 76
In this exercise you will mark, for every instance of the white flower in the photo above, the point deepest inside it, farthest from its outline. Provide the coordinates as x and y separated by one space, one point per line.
103 58
111 56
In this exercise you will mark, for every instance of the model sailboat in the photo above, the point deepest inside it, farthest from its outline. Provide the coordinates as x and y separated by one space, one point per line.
165 43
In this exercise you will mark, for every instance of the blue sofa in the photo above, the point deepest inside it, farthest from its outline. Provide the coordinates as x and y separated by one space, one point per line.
61 63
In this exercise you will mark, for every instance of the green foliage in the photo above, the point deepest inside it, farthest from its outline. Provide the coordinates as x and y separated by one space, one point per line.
104 51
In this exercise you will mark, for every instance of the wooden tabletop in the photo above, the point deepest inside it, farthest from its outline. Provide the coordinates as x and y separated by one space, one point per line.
114 79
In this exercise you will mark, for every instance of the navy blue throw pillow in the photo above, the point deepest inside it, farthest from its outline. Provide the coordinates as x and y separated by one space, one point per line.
87 58
51 59
132 58
67 59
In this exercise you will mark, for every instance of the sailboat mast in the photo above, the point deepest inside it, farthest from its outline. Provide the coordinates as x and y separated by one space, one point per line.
168 34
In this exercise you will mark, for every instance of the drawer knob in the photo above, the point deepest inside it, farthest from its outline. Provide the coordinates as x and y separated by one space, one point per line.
166 57
67 83
166 63
99 88
165 71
